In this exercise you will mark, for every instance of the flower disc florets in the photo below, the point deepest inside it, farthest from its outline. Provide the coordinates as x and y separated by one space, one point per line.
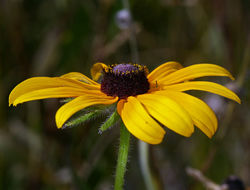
125 80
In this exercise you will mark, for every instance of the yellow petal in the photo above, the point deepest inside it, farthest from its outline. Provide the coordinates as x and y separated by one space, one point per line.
40 83
163 70
205 86
139 123
96 70
80 77
37 83
195 71
201 114
79 103
168 112
120 105
59 92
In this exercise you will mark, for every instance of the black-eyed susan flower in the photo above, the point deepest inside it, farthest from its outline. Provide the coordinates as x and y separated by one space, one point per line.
145 102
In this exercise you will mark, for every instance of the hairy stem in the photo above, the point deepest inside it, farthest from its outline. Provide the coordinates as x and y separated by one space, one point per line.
122 157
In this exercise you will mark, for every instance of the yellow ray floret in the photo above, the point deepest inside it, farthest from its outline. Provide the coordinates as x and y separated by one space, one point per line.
47 87
194 71
204 86
96 70
59 92
163 70
139 123
79 103
201 114
168 112
80 77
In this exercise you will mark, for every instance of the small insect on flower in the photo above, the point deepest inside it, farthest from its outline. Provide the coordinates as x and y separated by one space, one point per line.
143 99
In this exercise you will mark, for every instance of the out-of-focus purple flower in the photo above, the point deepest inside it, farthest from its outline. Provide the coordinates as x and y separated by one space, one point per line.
123 19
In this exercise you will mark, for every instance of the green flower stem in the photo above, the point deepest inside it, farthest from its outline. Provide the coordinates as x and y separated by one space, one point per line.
122 157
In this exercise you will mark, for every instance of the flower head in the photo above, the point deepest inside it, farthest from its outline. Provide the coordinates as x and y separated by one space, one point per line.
145 101
124 80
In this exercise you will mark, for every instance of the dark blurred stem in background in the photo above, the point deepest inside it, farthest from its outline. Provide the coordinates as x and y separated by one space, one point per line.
150 180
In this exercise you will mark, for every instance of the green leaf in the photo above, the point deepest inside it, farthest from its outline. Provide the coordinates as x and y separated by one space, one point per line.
82 119
114 117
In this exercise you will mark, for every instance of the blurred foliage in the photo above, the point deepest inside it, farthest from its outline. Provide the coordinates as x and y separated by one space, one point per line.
53 37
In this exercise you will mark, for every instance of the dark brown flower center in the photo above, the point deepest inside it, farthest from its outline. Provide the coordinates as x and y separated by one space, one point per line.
124 80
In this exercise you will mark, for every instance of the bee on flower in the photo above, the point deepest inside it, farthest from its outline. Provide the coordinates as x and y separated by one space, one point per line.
145 101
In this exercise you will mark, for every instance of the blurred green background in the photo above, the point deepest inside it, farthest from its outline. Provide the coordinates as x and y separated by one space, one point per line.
54 37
